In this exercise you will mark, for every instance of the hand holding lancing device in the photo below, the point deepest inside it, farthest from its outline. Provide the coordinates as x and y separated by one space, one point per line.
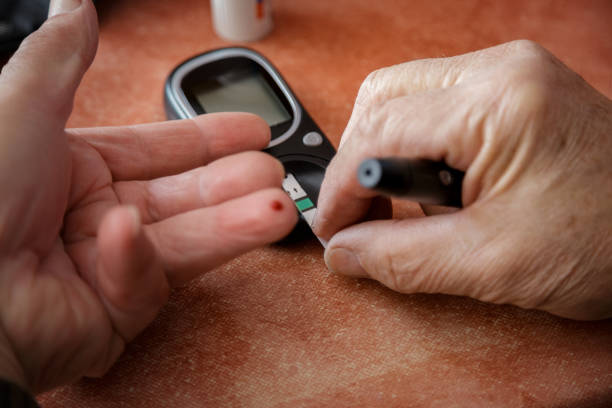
97 224
535 142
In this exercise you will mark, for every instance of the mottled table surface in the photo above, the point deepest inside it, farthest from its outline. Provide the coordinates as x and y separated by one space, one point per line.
273 328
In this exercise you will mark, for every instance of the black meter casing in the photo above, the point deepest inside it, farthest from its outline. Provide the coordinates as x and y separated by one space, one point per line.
240 79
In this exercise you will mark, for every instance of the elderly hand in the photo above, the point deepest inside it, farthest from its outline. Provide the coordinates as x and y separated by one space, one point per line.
96 225
535 141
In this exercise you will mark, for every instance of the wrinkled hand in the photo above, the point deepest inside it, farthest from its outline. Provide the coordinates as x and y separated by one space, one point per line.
535 141
97 224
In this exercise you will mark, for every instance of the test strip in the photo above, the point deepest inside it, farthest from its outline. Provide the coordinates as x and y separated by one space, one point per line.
304 204
293 188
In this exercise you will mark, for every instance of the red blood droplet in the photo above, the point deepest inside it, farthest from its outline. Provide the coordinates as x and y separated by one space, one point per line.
276 205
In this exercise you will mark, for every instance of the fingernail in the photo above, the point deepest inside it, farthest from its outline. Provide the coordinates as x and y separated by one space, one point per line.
63 6
344 262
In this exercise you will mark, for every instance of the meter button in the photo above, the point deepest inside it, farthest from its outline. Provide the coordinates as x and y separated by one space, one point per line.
312 139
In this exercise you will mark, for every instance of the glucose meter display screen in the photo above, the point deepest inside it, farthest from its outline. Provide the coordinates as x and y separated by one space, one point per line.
242 91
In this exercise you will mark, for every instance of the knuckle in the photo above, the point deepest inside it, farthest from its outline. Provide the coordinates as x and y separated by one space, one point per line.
527 48
532 63
150 205
531 80
370 87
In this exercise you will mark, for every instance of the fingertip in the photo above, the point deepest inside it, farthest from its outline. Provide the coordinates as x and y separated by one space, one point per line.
320 226
345 262
116 236
234 131
339 211
119 227
124 251
342 200
271 172
258 126
280 169
282 212
237 175
52 60
272 215
133 214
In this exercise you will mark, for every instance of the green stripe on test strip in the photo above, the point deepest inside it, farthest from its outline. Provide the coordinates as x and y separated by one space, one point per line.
304 204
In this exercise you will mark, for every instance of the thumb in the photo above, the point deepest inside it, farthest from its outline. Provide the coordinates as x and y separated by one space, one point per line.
450 254
42 76
37 88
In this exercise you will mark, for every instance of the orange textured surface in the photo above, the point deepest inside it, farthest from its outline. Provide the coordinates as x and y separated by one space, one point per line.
273 328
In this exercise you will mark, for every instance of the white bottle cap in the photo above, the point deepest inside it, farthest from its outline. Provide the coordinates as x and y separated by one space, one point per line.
241 20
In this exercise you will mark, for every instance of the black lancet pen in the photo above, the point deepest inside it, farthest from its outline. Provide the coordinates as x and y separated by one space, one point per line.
424 181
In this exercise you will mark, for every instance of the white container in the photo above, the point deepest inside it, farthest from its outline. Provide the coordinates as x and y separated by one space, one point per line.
241 20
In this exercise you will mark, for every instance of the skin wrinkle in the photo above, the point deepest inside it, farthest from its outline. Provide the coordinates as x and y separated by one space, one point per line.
143 148
32 337
589 281
452 75
170 253
404 270
480 255
524 262
594 113
16 364
473 179
204 147
534 268
77 144
490 162
82 259
559 285
518 161
65 365
387 271
70 366
389 115
73 236
447 280
570 283
151 207
513 78
471 248
210 184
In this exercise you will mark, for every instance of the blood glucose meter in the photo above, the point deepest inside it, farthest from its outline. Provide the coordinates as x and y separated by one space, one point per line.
242 80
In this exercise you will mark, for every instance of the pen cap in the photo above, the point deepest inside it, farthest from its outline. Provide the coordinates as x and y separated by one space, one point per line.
241 20
436 183
425 181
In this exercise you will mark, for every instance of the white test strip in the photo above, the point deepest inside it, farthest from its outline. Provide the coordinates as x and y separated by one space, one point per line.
310 216
298 195
293 188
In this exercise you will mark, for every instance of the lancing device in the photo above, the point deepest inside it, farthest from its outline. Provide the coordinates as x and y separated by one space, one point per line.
424 181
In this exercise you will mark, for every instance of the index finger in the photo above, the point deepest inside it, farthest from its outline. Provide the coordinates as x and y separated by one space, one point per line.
143 152
422 75
427 74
